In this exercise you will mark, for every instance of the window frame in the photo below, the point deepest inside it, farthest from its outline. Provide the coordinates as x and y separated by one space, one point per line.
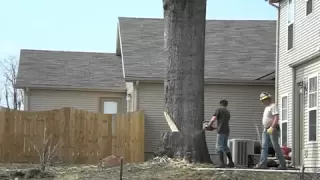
281 113
290 23
313 108
111 99
288 13
312 6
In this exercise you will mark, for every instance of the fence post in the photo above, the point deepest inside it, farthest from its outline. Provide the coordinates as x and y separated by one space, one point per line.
2 129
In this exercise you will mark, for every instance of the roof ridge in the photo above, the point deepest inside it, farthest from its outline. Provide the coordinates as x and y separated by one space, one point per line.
65 51
145 18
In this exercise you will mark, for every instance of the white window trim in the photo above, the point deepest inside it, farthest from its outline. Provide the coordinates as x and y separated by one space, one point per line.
289 11
314 108
288 24
285 121
306 1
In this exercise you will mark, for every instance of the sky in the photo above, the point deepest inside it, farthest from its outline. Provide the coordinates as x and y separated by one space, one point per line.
85 25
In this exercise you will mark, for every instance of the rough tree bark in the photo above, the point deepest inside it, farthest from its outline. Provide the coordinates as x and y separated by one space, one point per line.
184 45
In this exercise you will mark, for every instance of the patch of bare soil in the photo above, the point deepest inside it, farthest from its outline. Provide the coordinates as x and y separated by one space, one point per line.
157 169
167 169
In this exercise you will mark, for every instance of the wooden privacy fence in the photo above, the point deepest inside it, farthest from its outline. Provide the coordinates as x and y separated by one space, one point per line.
83 137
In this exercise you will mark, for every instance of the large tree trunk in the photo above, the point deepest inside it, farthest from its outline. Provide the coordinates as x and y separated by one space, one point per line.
184 45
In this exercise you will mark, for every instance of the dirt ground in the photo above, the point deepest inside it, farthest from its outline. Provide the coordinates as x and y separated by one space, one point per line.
157 169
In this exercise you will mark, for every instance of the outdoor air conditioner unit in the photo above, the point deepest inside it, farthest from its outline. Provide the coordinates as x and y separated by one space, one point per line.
241 149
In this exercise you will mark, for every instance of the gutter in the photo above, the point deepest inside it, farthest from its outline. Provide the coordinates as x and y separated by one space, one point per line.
71 88
211 81
136 108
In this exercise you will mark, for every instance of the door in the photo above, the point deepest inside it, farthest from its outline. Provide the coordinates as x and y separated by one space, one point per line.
111 106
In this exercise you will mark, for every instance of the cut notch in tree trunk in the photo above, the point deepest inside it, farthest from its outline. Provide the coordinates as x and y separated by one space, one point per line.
184 37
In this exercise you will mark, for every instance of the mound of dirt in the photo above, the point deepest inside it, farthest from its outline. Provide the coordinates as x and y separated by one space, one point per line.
30 174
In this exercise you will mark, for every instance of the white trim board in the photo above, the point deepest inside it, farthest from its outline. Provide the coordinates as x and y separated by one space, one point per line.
313 108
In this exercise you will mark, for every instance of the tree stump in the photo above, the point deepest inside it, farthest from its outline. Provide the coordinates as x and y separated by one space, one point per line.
170 145
173 145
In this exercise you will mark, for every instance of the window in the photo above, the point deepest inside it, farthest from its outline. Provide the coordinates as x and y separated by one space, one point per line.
312 107
290 11
309 7
290 23
284 120
290 36
110 107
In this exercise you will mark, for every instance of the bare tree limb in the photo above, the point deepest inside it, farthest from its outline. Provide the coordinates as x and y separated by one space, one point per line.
13 96
0 95
46 153
6 95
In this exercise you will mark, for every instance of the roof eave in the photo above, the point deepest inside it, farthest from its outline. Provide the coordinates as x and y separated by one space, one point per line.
21 86
207 81
273 1
305 60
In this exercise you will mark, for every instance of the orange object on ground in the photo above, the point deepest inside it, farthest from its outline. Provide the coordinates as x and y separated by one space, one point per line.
111 161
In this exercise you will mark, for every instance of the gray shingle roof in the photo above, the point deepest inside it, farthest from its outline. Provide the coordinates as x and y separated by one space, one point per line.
63 69
235 49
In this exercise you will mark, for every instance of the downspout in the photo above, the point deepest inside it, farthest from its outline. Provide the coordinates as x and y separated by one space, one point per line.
293 121
136 99
277 51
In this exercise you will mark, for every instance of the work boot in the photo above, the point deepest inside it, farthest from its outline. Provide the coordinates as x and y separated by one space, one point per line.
221 159
230 164
282 167
259 166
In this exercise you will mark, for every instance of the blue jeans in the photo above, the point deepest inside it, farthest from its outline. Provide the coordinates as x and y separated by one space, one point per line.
222 143
274 137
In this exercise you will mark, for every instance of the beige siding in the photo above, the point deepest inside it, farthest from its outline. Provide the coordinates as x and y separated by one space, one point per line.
306 40
49 99
244 105
311 150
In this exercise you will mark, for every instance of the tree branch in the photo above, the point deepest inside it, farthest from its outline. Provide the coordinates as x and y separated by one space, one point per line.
14 97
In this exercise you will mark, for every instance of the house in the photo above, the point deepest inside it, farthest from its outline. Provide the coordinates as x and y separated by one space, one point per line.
297 78
239 65
84 80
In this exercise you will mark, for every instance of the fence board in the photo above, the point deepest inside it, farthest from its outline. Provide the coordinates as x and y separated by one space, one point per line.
83 137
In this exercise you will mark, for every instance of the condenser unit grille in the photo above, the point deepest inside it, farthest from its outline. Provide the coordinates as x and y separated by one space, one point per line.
239 151
242 153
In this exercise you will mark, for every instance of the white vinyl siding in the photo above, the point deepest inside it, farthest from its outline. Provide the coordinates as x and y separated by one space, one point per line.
312 107
306 39
311 150
244 106
284 119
